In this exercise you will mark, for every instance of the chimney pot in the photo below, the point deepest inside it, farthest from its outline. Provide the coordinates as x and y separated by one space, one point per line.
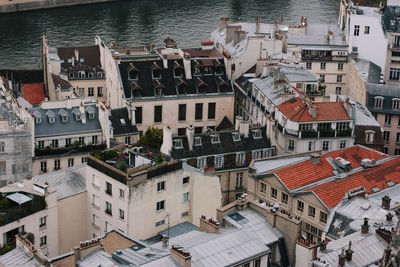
365 226
315 158
389 217
342 258
386 202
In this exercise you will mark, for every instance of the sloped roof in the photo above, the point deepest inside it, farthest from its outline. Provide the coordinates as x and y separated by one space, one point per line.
120 128
57 80
90 54
295 110
18 257
225 124
34 93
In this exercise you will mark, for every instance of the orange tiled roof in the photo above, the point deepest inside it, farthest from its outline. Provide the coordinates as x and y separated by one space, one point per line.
34 93
331 193
304 173
295 110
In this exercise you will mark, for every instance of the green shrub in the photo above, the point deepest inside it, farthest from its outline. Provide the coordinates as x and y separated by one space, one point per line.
153 138
122 165
110 154
30 237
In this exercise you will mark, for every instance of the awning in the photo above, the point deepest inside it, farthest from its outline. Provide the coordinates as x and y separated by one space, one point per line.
19 198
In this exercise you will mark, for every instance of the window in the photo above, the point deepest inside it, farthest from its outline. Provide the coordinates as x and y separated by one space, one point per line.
43 241
338 90
38 120
198 111
396 104
398 138
127 140
300 205
394 74
41 144
323 217
285 198
323 65
185 180
355 49
356 30
156 74
311 211
96 181
340 66
342 126
257 263
158 114
3 167
366 30
240 159
43 166
81 141
162 222
138 115
185 214
109 188
291 145
81 91
236 136
160 186
197 141
263 188
219 161
96 200
54 143
339 78
94 139
96 220
259 154
201 162
42 222
256 134
185 196
310 145
343 144
121 193
386 136
90 91
274 193
325 145
385 150
397 151
121 214
309 65
239 180
378 102
322 78
68 141
388 119
70 162
108 208
215 139
99 91
182 112
84 159
198 130
160 205
211 111
56 164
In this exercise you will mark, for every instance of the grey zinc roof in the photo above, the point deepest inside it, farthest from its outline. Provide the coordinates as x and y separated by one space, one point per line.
388 92
18 257
368 71
68 182
71 126
97 258
317 35
363 115
179 229
264 166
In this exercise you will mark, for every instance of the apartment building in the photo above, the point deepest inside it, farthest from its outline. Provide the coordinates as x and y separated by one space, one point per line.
391 26
228 153
145 200
383 102
65 132
323 50
311 185
302 125
242 44
71 72
177 87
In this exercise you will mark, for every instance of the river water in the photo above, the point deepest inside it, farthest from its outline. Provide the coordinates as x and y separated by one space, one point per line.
134 22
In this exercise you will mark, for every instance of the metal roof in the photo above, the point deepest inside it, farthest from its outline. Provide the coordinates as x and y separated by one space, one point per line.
316 35
18 257
179 229
263 166
19 198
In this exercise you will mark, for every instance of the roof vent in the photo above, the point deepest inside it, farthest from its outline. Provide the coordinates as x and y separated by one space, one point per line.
368 163
342 163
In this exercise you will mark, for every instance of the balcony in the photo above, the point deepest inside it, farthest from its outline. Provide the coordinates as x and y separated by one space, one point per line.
327 56
344 133
326 132
48 151
10 211
318 92
309 134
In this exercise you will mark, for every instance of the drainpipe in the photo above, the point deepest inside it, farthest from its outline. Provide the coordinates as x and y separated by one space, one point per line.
229 184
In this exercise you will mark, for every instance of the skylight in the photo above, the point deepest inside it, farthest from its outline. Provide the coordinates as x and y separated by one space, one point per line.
390 183
123 121
375 189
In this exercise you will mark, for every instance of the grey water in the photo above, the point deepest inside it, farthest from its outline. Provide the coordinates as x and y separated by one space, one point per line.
135 22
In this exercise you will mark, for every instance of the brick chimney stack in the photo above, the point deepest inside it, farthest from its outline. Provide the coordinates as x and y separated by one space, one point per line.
386 202
223 22
349 252
342 258
181 256
209 225
257 24
389 217
315 158
365 226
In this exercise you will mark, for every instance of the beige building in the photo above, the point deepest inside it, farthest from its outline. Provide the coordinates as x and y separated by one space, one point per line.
145 200
390 22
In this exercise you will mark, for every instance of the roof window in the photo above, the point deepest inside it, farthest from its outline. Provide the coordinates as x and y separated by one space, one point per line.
122 121
38 120
215 139
197 141
178 143
390 183
375 189
236 136
256 134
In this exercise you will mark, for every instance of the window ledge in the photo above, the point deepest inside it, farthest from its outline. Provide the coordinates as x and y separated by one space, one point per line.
95 186
95 226
95 206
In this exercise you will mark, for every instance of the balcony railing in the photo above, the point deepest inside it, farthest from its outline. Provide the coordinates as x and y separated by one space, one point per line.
65 150
326 132
13 212
305 134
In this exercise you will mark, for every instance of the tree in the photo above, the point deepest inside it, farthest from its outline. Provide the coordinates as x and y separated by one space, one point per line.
153 138
159 158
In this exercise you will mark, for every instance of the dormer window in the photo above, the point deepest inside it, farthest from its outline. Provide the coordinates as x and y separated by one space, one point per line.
219 70
99 74
69 60
215 139
90 111
396 103
91 115
81 74
257 134
201 86
236 136
369 136
156 71
158 88
133 75
198 71
64 118
91 75
378 102
178 143
208 70
197 141
122 122
71 75
38 120
78 117
178 70
52 119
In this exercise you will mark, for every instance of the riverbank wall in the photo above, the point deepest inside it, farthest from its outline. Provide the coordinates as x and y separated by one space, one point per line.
10 6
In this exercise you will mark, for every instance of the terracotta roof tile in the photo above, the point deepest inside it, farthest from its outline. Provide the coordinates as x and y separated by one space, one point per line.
198 52
34 93
295 110
305 172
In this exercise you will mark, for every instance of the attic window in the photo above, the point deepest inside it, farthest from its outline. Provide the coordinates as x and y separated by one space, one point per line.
219 70
236 136
81 74
133 75
257 134
99 74
52 119
378 102
64 118
156 74
91 115
122 121
81 60
390 183
375 189
215 139
38 120
208 70
198 71
69 60
197 141
178 143
78 117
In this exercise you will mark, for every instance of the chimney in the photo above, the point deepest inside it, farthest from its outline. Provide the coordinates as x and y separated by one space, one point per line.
164 241
131 112
77 253
312 110
167 141
223 23
76 54
349 252
342 258
386 202
322 245
389 217
190 136
238 119
72 61
230 31
238 36
244 128
315 158
365 226
330 35
257 24
181 256
207 45
83 116
209 225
